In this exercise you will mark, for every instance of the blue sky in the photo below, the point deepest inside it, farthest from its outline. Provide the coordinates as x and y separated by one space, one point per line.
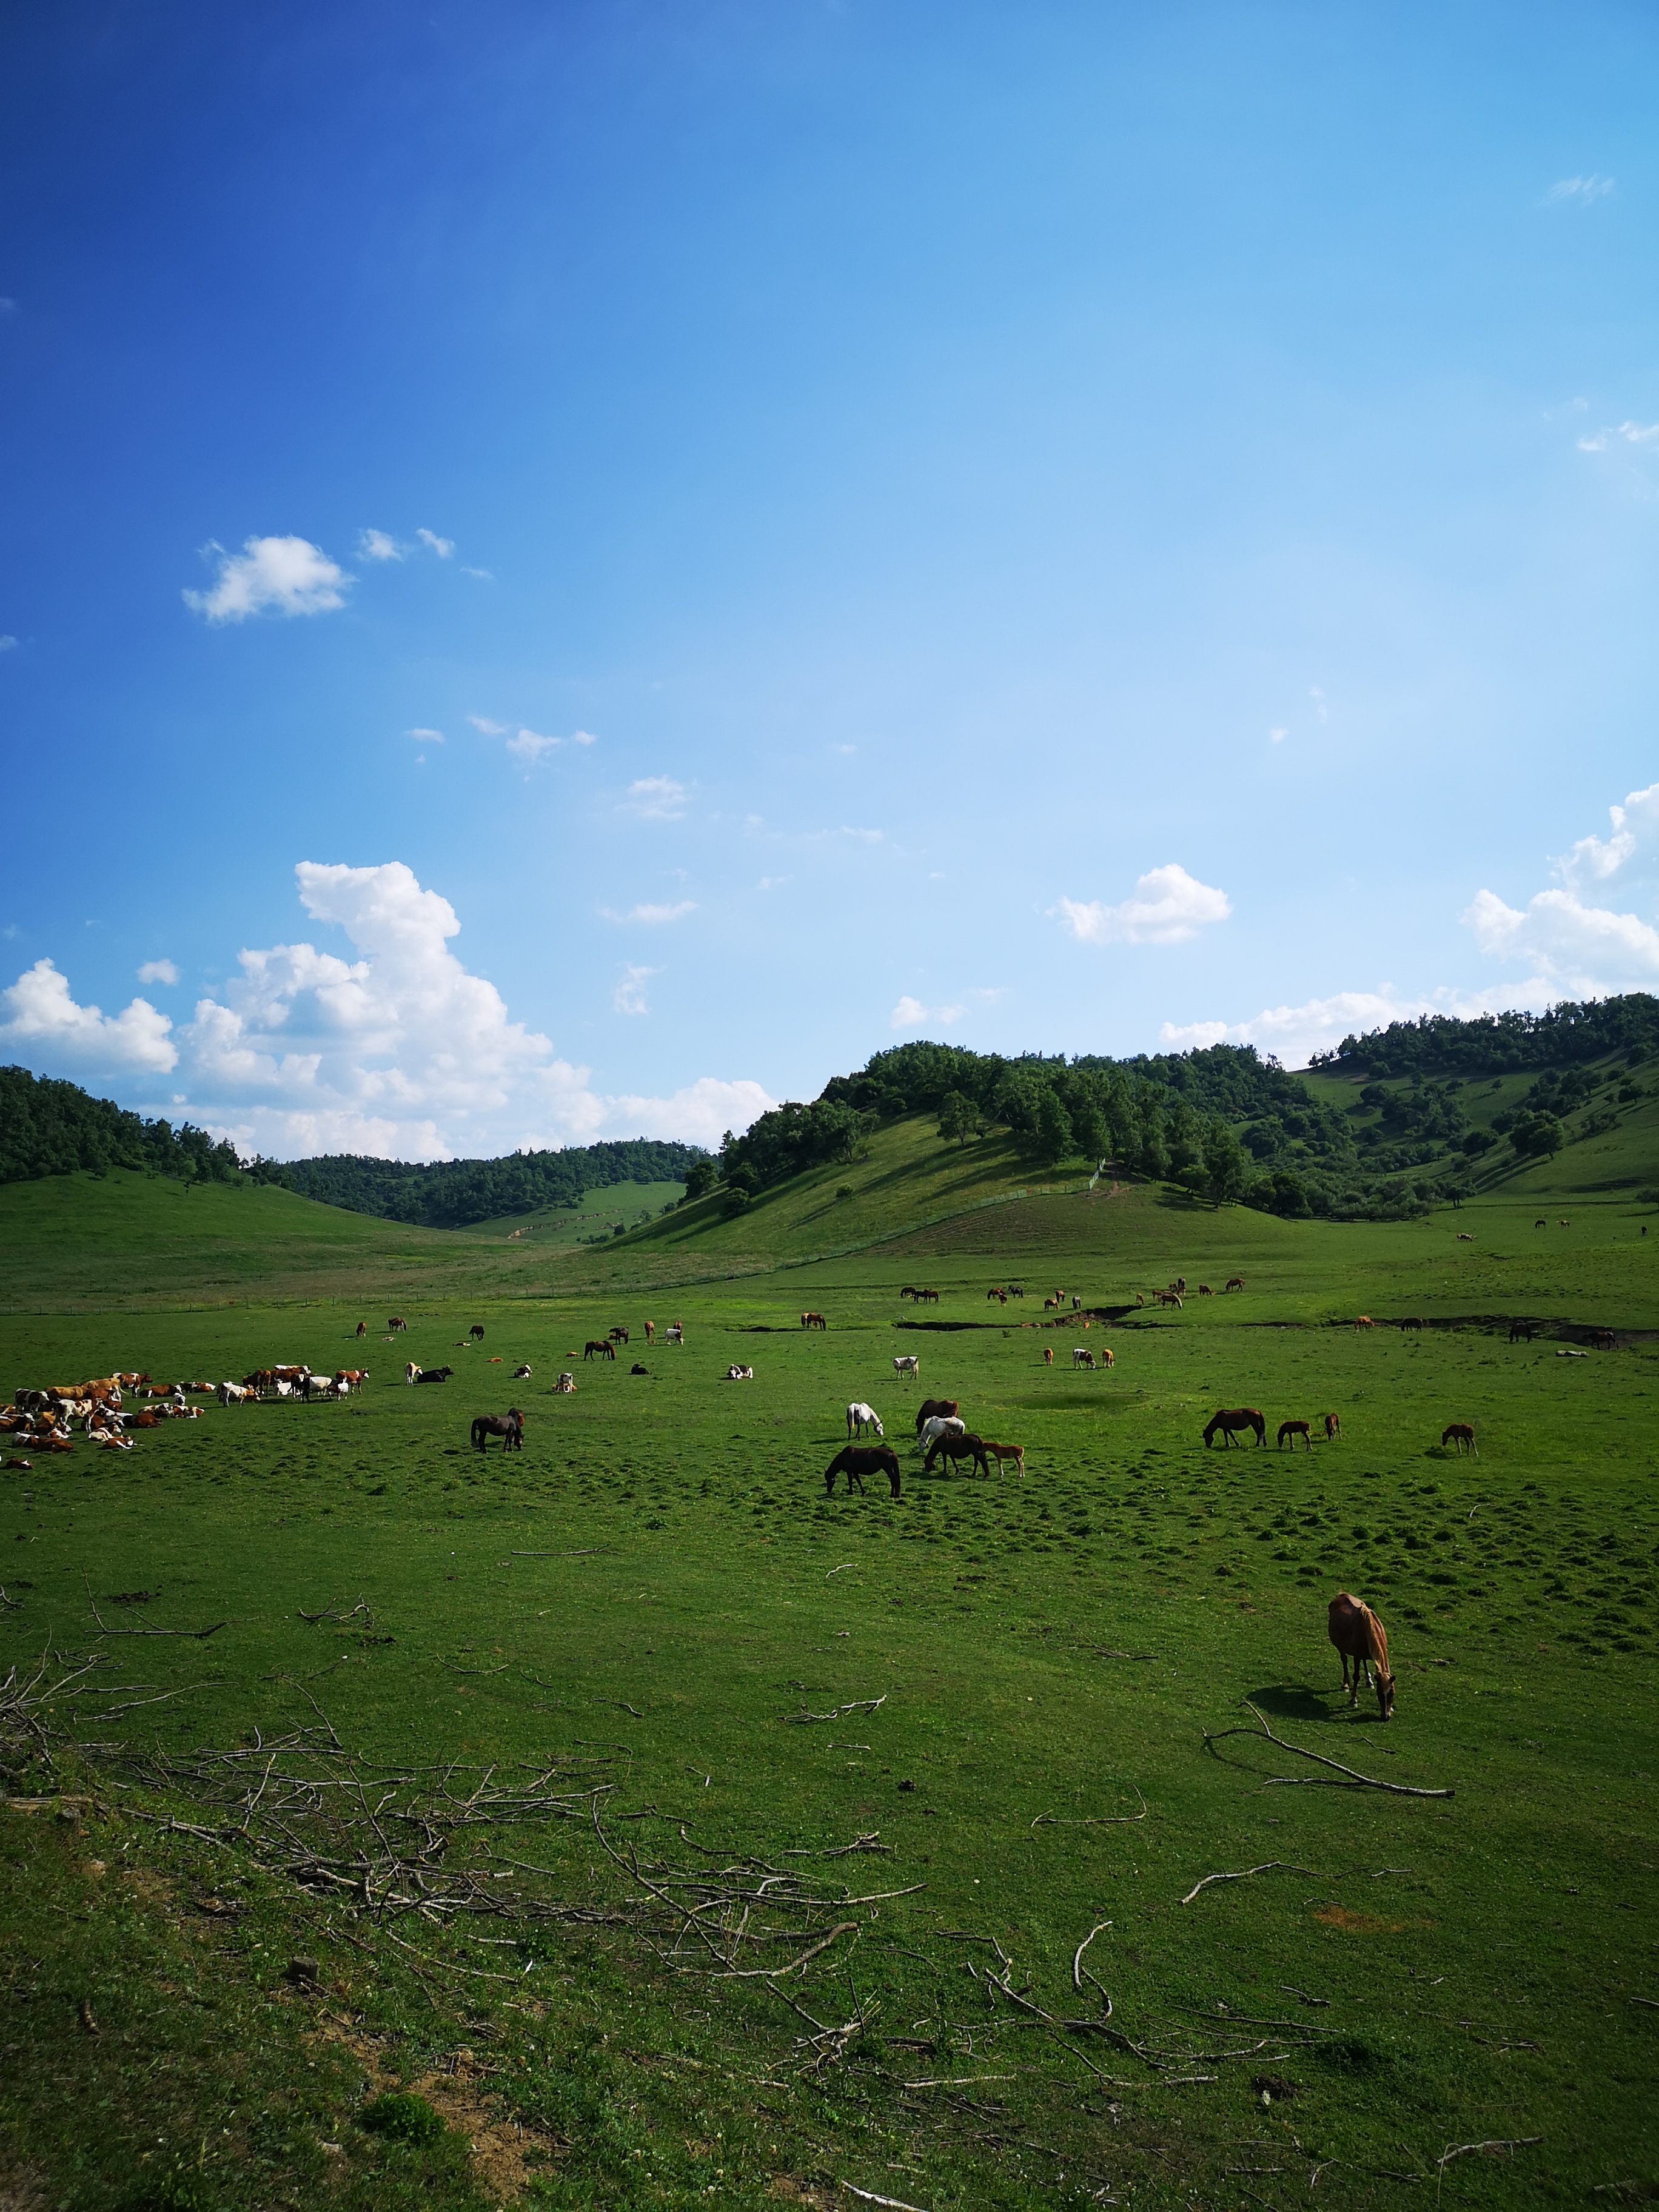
572 570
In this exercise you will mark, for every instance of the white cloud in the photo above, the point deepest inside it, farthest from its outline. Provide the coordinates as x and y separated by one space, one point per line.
443 547
528 745
844 750
1581 192
1638 435
483 575
583 738
865 836
699 1114
1277 736
1318 698
489 729
375 545
158 971
8 643
676 912
909 1014
43 1022
771 883
425 737
1576 947
629 997
1294 1034
289 574
656 798
1168 907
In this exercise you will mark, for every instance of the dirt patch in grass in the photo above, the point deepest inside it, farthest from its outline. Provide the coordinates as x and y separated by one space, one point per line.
1357 1923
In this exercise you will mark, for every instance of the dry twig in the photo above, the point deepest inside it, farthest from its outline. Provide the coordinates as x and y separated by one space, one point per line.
1353 1774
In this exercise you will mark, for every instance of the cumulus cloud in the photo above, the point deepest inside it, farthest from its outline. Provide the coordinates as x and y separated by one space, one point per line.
629 997
158 971
376 545
1294 1034
289 575
530 745
41 1022
911 1014
1578 191
1577 947
583 738
656 798
443 547
675 912
698 1114
1168 907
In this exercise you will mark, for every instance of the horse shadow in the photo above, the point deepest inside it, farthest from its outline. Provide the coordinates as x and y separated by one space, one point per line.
1295 1701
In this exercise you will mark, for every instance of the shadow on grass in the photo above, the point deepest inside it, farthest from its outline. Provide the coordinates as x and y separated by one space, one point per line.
1295 1701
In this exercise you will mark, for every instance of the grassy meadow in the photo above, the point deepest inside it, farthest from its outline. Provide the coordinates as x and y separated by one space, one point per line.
997 1693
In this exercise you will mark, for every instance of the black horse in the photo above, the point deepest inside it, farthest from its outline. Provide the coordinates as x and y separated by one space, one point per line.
509 1427
856 1461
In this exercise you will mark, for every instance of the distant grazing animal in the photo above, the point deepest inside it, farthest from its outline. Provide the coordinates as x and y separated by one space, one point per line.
599 1348
1464 1237
957 1449
908 1364
397 1325
1332 1427
1232 1421
941 1425
910 1292
1293 1429
1541 1224
1054 1301
565 1385
926 1298
509 1427
363 1328
352 1378
650 1332
1179 1284
237 1394
477 1332
1520 1332
617 1335
739 1374
1460 1433
637 1369
1205 1292
1139 1301
1414 1321
675 1333
1365 1321
1170 1298
1001 1296
323 1386
1082 1357
947 1408
1564 1224
1047 1355
434 1374
1000 1452
1359 1636
813 1321
1077 1302
1106 1355
1015 1292
856 1461
1604 1340
1235 1282
860 1417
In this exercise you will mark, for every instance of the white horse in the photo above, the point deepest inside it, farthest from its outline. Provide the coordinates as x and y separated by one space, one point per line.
940 1425
860 1417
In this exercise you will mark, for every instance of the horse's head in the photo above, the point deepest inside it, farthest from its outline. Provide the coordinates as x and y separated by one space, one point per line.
1385 1693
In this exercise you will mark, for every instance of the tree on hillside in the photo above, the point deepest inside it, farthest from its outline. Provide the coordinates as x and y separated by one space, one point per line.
1054 1135
1226 1165
959 1118
700 1178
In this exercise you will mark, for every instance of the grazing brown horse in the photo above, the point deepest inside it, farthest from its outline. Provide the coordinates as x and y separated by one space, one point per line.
1459 1433
363 1328
477 1332
1604 1340
1230 1422
856 1461
509 1427
1521 1332
600 1344
1047 1355
926 1298
1293 1429
1001 1452
1364 1321
957 1449
1359 1636
813 1321
1205 1292
1332 1427
397 1325
944 1409
617 1335
1235 1282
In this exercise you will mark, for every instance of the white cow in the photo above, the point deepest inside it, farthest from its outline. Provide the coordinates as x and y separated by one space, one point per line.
860 1417
320 1386
521 1375
940 1425
739 1374
908 1365
1082 1357
675 1333
235 1393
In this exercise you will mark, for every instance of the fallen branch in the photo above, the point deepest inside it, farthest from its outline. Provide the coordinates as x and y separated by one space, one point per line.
858 1705
869 2196
1497 2144
199 1634
1092 1819
1267 1867
1291 1990
1365 1781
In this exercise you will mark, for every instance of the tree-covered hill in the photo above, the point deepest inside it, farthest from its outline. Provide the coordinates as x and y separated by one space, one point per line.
1500 1044
49 1128
451 1193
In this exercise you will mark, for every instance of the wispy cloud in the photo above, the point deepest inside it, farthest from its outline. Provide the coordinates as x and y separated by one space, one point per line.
8 643
158 971
676 911
1168 907
489 729
425 737
289 575
864 836
656 798
530 745
443 547
377 545
771 883
1318 698
583 738
629 997
1633 434
1578 191
1277 736
483 576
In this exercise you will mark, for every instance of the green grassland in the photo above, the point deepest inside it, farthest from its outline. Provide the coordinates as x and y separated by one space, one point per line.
1014 1679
